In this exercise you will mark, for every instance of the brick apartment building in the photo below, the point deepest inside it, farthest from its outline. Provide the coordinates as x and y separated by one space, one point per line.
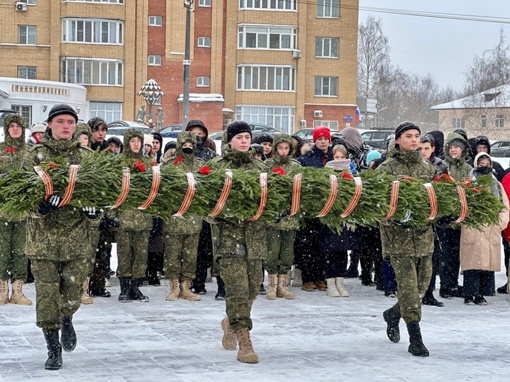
284 63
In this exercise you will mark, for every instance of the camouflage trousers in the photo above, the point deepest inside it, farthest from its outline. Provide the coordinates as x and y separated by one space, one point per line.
13 262
242 280
132 252
181 255
58 289
413 278
280 251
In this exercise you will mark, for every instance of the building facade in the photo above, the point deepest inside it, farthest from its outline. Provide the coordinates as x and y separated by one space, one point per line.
284 63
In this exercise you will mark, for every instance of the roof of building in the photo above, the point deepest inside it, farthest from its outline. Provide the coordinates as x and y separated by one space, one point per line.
498 97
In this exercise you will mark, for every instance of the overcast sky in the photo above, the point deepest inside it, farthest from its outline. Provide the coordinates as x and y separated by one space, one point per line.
443 47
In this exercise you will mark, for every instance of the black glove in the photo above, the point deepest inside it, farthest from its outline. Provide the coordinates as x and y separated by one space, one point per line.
51 204
114 223
91 212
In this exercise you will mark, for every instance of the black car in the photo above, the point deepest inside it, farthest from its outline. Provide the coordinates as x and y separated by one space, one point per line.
171 131
376 138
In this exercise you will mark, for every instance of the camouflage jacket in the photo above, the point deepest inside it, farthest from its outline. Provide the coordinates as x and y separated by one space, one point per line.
233 239
284 223
458 169
396 237
63 234
133 220
188 224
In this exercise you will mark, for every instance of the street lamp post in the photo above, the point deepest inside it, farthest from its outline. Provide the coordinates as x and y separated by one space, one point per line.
186 63
151 93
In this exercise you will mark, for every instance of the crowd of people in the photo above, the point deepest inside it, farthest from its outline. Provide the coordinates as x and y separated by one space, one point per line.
68 250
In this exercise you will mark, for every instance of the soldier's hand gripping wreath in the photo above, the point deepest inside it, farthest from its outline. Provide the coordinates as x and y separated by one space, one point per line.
91 212
51 204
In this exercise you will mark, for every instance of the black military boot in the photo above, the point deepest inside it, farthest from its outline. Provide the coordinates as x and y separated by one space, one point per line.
416 346
124 289
221 289
392 318
54 361
68 333
135 293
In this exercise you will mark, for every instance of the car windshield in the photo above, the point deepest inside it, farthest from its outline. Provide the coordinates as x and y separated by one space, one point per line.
170 129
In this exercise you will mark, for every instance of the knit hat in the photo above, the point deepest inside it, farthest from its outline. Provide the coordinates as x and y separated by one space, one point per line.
321 131
61 109
265 137
147 139
404 126
237 127
39 127
170 145
457 142
461 132
373 155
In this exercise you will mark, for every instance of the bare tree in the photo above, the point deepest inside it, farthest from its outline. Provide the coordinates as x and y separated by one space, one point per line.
373 54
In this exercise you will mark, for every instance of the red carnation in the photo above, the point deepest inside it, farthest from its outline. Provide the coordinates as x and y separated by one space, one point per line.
436 179
139 165
204 170
154 163
177 160
11 149
279 171
52 165
346 175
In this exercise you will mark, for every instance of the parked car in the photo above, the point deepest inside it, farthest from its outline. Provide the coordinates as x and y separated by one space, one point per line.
376 138
500 149
118 128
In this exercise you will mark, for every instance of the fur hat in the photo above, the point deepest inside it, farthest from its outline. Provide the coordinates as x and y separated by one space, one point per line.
39 127
237 127
457 142
321 131
60 110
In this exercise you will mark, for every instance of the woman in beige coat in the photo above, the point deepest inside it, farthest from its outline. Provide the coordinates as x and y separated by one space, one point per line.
480 252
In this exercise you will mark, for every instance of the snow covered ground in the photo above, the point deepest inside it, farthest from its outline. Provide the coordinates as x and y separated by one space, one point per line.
311 338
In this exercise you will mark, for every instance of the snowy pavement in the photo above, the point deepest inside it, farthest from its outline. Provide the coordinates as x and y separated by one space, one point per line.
311 338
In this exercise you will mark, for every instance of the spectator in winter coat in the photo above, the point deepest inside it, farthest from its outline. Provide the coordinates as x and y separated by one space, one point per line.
157 146
505 289
205 148
99 128
482 145
308 255
427 151
449 260
480 252
409 249
266 141
36 133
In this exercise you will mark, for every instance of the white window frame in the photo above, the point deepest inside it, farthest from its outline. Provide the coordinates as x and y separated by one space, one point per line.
265 37
483 121
204 42
329 83
155 21
25 111
93 31
458 123
205 3
28 33
327 47
279 78
269 5
333 125
280 117
328 9
203 82
499 121
154 60
92 71
109 111
26 70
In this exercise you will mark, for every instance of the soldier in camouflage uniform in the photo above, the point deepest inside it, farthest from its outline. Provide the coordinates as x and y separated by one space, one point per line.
239 247
281 235
13 262
409 249
134 229
181 234
57 243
